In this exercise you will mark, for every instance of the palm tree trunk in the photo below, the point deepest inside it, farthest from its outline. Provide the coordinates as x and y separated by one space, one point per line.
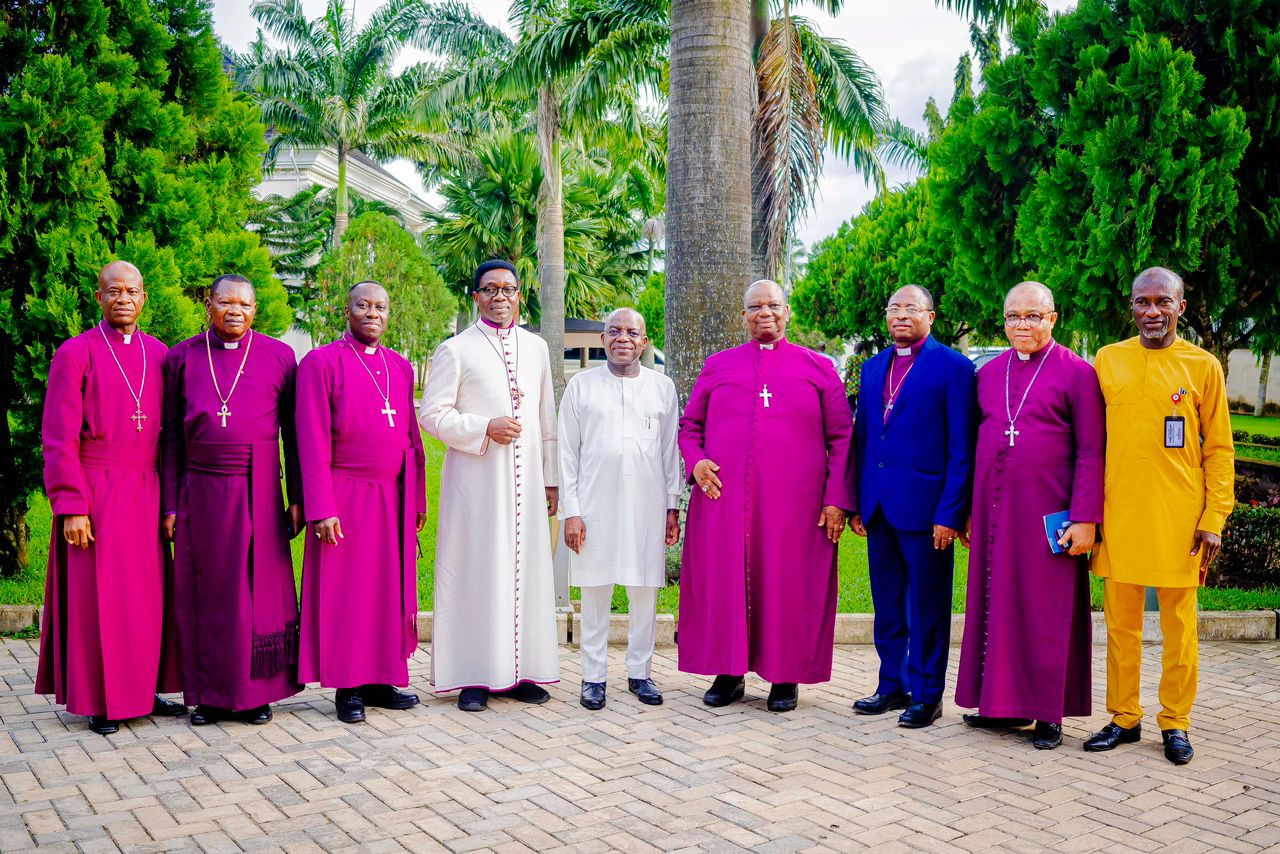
760 20
708 182
1264 375
340 196
551 234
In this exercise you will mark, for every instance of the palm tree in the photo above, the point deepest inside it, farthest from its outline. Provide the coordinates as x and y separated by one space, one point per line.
332 85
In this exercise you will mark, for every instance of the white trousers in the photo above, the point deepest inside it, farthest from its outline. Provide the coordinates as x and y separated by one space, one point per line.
642 631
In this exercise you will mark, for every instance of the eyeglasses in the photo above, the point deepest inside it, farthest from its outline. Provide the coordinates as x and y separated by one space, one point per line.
773 307
904 311
489 291
623 333
1028 320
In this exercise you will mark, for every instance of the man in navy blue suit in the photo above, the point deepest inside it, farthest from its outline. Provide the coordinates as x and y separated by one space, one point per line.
913 444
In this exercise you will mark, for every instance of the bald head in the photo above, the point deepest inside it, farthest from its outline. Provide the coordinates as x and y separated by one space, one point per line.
624 340
1031 295
917 294
368 309
1162 278
118 271
121 295
625 316
767 290
367 291
765 311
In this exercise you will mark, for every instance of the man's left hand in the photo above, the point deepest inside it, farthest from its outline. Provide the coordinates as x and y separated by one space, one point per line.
673 527
1206 545
296 523
832 518
1079 538
944 536
553 500
422 522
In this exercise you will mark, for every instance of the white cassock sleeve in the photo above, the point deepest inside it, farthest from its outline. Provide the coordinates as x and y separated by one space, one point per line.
568 446
547 419
439 414
670 446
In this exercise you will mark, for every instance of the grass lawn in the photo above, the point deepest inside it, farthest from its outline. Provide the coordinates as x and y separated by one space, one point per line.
1268 426
855 592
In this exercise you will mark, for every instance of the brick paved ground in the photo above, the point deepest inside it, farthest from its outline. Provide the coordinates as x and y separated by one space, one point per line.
635 778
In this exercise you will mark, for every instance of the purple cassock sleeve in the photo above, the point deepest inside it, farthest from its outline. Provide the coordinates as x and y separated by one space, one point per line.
60 430
315 435
693 424
419 455
173 436
289 433
837 425
1089 424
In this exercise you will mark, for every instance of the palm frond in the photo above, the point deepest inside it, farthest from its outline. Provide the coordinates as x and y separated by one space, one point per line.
903 146
454 30
1003 11
848 90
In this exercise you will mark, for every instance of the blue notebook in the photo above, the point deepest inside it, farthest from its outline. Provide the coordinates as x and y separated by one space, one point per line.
1055 525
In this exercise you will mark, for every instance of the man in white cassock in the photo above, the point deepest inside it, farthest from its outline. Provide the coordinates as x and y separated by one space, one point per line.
489 398
620 490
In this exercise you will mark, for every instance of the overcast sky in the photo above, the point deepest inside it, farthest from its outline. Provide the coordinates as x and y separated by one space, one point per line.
911 44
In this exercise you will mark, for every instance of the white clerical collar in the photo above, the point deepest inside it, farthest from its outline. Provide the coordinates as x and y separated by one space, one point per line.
230 345
766 346
1023 357
902 351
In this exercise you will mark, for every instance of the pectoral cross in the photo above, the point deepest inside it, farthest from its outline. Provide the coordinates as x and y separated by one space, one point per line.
516 396
1011 432
137 418
223 413
765 395
388 411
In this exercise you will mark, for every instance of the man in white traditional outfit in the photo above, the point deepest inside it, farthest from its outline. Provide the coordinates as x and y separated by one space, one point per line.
489 398
620 497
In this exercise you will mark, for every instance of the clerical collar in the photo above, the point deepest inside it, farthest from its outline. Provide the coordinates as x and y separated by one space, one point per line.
124 337
492 325
356 344
773 345
1027 357
911 350
228 345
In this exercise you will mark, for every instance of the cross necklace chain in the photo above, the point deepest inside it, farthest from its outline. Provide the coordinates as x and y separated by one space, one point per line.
513 375
893 390
138 416
1013 432
765 394
225 413
386 398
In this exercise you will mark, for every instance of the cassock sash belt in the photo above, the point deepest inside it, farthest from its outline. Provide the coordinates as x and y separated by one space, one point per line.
275 638
379 465
118 457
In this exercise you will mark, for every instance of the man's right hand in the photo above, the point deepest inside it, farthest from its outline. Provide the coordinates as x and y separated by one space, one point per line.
855 522
704 474
503 430
77 531
170 526
329 531
575 533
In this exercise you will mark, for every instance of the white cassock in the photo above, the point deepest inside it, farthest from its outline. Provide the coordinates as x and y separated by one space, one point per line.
619 471
494 624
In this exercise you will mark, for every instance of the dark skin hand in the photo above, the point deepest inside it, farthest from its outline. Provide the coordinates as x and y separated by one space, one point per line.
832 518
575 531
1206 545
503 430
77 531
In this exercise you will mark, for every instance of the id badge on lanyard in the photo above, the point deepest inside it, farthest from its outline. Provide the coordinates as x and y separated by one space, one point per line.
1175 426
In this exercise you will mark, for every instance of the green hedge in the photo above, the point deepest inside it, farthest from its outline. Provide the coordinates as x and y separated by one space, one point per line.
1250 556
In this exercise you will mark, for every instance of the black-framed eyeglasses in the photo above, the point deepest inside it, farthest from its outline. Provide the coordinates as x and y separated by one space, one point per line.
489 291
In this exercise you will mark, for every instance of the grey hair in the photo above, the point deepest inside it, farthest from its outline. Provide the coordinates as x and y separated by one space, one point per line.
1038 287
759 283
1161 273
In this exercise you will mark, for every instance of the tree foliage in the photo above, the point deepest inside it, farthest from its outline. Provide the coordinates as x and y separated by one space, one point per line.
377 247
120 137
1117 136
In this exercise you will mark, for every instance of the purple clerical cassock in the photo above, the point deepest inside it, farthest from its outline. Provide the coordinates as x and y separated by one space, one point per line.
362 461
235 596
1027 633
758 582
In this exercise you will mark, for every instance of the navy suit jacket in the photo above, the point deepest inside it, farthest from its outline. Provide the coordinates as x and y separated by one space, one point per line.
918 467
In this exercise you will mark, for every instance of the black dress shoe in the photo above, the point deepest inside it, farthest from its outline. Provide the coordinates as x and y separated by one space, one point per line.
725 690
526 692
167 708
919 715
984 722
102 726
388 697
473 699
1110 735
878 704
349 704
204 715
646 691
1177 747
592 696
1047 736
258 716
783 696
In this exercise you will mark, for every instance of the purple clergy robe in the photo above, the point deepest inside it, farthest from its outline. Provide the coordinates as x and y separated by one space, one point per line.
235 595
758 582
359 597
1027 635
104 648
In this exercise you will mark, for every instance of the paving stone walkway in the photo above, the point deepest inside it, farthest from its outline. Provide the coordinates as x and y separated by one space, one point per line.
634 778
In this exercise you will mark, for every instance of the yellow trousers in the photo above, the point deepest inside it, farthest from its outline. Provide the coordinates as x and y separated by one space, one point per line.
1123 604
